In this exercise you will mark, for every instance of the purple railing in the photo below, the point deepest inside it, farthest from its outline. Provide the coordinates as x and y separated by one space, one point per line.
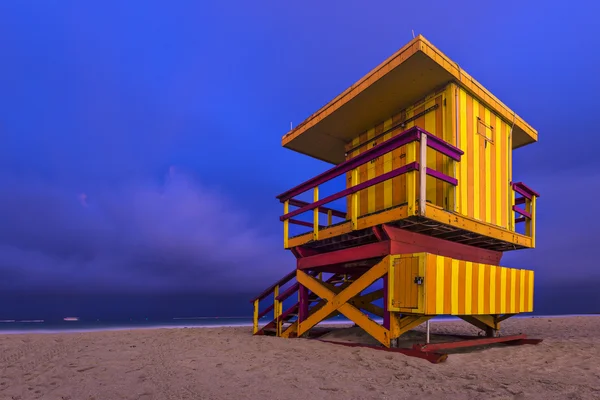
406 137
527 198
411 135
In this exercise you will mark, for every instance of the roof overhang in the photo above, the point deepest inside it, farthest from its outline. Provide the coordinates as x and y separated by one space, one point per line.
410 74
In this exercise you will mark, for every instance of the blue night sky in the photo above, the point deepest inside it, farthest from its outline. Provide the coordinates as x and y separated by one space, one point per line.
141 141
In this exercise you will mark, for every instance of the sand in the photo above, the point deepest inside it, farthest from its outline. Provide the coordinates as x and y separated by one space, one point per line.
229 363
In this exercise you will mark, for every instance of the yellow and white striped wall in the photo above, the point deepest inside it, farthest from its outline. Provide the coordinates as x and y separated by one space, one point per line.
484 172
429 284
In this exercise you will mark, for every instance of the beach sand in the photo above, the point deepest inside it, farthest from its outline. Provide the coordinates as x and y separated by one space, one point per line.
229 363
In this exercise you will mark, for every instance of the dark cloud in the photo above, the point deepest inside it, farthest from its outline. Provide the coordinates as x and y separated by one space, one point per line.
178 235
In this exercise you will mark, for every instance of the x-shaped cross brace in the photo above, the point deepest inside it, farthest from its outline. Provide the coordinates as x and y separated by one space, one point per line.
341 302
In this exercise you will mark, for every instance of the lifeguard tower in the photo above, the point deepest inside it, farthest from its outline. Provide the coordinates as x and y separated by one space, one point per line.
425 152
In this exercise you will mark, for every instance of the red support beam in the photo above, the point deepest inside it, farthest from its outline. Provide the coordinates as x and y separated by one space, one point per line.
304 251
303 304
340 269
403 242
364 252
514 339
434 358
379 233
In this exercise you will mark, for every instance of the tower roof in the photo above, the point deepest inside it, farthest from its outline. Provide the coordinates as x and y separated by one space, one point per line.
414 71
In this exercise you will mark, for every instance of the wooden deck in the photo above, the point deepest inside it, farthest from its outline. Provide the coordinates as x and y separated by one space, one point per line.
437 223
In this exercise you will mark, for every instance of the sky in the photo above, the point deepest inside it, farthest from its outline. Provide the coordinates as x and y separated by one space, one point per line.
140 141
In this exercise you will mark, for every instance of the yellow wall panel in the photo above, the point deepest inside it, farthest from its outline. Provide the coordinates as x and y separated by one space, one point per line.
455 287
483 174
435 110
484 171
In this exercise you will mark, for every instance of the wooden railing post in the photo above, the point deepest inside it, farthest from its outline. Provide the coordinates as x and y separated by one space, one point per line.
316 215
530 223
423 175
276 310
255 320
511 213
354 201
411 179
286 224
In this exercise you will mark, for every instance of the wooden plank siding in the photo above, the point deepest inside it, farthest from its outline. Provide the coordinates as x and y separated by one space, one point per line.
392 193
457 287
484 173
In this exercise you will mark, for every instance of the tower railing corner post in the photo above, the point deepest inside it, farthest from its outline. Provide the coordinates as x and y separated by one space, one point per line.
286 225
423 175
354 201
316 214
532 221
411 179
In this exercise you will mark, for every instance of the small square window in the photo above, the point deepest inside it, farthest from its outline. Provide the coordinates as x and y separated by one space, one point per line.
485 130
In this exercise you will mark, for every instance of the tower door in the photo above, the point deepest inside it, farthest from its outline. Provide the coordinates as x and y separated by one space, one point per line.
406 282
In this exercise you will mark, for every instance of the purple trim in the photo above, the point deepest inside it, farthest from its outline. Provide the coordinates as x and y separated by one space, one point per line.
524 190
289 311
442 176
520 219
522 212
289 291
271 288
303 223
402 139
266 311
443 147
381 178
408 136
520 200
324 210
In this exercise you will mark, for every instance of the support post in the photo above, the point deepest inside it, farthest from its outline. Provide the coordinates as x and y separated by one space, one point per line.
411 179
303 303
286 224
427 332
329 217
354 201
255 319
423 175
316 215
276 310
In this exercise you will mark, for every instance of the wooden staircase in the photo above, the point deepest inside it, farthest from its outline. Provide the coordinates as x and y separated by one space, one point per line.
285 323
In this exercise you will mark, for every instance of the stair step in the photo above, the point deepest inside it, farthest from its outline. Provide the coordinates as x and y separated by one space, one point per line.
340 281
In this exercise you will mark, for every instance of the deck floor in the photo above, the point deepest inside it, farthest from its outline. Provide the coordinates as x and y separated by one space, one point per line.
417 224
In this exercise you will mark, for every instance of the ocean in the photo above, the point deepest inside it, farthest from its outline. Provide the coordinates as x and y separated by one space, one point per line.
82 325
